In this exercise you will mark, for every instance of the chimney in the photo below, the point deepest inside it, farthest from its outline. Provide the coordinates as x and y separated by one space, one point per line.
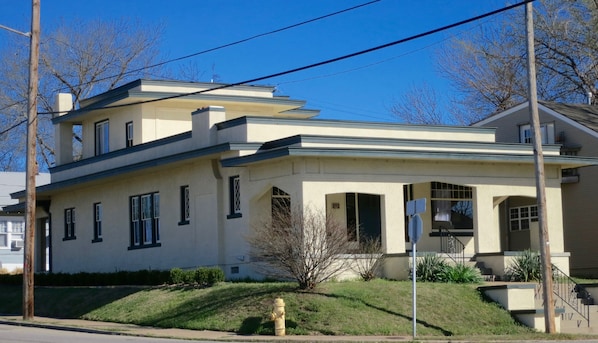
590 96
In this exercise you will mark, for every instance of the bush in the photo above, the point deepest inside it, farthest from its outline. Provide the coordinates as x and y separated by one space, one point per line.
525 267
209 276
461 273
431 268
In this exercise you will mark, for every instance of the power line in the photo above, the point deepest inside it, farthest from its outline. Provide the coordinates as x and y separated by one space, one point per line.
234 43
317 64
196 54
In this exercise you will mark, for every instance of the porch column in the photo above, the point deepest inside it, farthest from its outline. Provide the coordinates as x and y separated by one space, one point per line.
486 226
393 220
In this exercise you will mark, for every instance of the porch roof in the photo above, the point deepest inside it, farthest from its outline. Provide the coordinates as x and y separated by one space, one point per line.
351 147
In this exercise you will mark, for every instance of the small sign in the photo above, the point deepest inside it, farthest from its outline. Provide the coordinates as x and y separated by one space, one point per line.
416 206
415 228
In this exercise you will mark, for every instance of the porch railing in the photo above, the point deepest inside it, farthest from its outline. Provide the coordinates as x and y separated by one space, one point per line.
452 246
571 293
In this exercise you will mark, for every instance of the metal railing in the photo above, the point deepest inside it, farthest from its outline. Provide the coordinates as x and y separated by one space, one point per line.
571 293
452 246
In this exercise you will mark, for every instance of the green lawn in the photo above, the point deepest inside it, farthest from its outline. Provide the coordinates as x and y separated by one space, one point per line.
378 307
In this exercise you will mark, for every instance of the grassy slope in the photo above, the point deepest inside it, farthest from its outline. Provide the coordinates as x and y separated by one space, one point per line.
347 308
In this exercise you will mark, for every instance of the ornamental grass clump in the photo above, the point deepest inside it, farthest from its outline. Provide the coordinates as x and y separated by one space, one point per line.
525 267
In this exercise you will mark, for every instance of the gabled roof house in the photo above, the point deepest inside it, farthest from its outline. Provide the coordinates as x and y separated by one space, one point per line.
574 128
174 174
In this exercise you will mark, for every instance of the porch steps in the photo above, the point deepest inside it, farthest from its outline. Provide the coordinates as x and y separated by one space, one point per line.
487 273
520 300
574 322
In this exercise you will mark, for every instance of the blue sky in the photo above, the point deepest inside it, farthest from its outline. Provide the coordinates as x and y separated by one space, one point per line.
360 88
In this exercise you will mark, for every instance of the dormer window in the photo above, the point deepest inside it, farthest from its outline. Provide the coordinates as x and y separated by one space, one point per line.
546 131
102 138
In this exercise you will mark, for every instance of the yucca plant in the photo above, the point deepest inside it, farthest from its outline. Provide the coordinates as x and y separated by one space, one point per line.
431 268
461 273
526 267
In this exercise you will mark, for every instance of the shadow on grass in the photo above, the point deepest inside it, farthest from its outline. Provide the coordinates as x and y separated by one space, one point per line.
421 322
62 302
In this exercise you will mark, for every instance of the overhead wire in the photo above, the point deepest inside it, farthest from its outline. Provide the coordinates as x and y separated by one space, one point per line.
243 40
313 65
288 27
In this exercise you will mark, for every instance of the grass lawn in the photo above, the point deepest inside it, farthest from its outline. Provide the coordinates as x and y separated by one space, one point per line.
378 307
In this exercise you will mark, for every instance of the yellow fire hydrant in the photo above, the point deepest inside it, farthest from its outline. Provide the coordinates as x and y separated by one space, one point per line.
278 317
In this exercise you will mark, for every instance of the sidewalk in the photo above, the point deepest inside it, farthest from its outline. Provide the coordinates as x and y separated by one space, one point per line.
144 331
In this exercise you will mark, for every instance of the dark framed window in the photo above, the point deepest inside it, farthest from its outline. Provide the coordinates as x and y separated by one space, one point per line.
185 206
69 224
102 137
452 206
234 197
129 134
97 222
145 220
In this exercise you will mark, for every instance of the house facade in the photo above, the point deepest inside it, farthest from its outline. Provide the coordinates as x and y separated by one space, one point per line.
174 174
12 225
574 128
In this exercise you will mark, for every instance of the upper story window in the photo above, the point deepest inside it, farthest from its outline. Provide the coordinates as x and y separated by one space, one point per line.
129 134
102 137
546 131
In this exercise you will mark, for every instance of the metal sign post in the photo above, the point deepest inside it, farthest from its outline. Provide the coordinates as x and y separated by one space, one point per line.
415 230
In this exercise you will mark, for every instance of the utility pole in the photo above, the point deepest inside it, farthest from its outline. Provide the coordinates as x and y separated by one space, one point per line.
32 170
549 320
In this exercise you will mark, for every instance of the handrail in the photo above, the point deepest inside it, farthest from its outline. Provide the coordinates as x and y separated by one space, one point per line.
450 244
569 291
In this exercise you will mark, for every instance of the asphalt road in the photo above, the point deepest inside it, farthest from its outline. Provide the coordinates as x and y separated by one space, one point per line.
22 334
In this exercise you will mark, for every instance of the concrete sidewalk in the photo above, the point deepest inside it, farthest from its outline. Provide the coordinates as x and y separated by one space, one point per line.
144 331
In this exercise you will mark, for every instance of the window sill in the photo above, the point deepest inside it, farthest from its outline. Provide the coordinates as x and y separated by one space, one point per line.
234 215
69 238
96 240
184 222
136 247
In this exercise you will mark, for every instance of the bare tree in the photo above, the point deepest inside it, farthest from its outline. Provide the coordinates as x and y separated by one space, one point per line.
302 244
419 105
487 67
81 58
369 259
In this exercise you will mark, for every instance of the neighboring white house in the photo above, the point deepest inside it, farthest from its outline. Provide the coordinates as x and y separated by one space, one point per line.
175 174
12 223
574 127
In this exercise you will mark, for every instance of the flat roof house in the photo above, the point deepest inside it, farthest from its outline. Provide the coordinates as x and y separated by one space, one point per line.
574 128
174 174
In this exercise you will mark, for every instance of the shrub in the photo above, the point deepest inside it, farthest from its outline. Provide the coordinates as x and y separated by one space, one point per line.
431 268
525 267
461 273
179 276
209 276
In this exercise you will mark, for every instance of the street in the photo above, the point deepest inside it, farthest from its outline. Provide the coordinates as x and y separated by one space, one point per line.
13 333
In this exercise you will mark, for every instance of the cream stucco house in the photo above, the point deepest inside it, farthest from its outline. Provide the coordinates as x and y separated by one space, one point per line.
174 174
573 127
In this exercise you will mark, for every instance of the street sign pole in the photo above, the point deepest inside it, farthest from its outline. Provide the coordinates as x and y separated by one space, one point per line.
414 289
415 230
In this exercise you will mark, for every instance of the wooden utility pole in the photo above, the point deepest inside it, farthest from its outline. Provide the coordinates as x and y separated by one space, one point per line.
546 264
32 170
